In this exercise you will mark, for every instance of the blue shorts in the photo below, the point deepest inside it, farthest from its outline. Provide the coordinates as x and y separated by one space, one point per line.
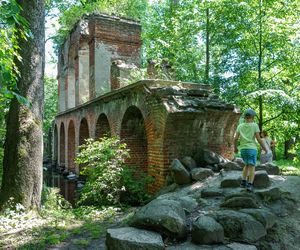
249 156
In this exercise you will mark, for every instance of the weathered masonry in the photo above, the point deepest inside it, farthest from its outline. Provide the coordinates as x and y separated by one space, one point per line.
159 120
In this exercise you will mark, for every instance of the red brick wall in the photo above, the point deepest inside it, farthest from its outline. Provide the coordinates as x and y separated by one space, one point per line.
62 144
133 133
83 131
71 146
189 133
102 127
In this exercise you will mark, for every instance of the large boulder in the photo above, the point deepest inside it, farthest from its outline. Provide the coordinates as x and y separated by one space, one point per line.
164 216
230 165
240 202
167 189
205 230
208 157
239 161
231 179
188 203
271 168
211 192
240 226
269 194
129 238
179 173
200 174
189 163
231 246
191 246
264 216
240 246
261 179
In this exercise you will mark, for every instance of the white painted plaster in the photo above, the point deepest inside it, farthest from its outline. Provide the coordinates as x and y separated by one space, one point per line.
71 88
102 68
83 57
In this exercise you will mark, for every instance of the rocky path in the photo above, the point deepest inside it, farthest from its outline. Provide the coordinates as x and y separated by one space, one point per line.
208 210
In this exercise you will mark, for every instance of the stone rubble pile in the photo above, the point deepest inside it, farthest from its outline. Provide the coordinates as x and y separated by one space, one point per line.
204 208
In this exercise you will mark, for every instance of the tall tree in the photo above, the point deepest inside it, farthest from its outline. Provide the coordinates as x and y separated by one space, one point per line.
22 173
260 50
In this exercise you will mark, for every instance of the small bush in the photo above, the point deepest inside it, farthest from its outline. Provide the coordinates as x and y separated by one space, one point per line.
109 181
102 163
135 183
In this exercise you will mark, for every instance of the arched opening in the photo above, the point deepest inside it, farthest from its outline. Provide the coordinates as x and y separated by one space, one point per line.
83 134
102 127
83 131
71 146
133 133
55 147
62 145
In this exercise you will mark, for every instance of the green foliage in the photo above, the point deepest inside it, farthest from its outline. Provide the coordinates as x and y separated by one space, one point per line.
12 27
171 34
288 167
76 10
54 204
102 163
50 104
135 183
253 53
109 181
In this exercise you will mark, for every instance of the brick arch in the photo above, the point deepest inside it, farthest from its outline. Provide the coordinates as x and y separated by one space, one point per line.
133 133
83 131
71 146
102 126
62 144
55 149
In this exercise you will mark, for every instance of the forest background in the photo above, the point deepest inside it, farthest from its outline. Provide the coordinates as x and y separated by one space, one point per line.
248 51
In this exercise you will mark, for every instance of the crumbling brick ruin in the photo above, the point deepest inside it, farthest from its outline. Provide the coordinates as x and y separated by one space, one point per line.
159 120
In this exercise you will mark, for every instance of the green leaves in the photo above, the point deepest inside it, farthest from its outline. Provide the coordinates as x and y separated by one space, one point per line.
12 26
75 10
102 162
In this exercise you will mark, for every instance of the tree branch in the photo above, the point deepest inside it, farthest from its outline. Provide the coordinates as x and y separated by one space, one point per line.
273 118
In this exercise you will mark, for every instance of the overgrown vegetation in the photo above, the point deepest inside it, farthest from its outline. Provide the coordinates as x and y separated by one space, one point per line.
57 222
109 180
71 11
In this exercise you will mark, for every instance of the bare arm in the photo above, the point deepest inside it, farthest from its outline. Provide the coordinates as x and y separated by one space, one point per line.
261 143
236 138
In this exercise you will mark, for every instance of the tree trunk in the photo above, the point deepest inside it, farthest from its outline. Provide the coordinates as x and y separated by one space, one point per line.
207 61
23 156
259 69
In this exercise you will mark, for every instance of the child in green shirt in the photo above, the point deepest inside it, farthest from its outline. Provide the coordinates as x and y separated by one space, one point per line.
246 133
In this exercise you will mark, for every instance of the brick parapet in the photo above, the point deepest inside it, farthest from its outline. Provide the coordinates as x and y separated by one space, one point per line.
171 132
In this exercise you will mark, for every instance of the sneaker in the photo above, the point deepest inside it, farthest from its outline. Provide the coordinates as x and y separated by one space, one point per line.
243 184
249 187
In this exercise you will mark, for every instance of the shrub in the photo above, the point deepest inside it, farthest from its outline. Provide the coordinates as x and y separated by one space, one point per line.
135 183
102 161
109 181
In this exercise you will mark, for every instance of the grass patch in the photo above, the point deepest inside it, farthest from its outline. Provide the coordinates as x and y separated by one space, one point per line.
289 167
58 222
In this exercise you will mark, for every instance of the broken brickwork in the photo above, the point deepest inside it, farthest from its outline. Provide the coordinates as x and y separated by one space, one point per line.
159 120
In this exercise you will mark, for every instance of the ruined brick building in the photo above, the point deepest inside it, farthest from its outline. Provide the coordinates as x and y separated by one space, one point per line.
159 120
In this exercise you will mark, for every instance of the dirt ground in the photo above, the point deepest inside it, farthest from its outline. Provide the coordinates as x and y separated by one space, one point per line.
284 236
